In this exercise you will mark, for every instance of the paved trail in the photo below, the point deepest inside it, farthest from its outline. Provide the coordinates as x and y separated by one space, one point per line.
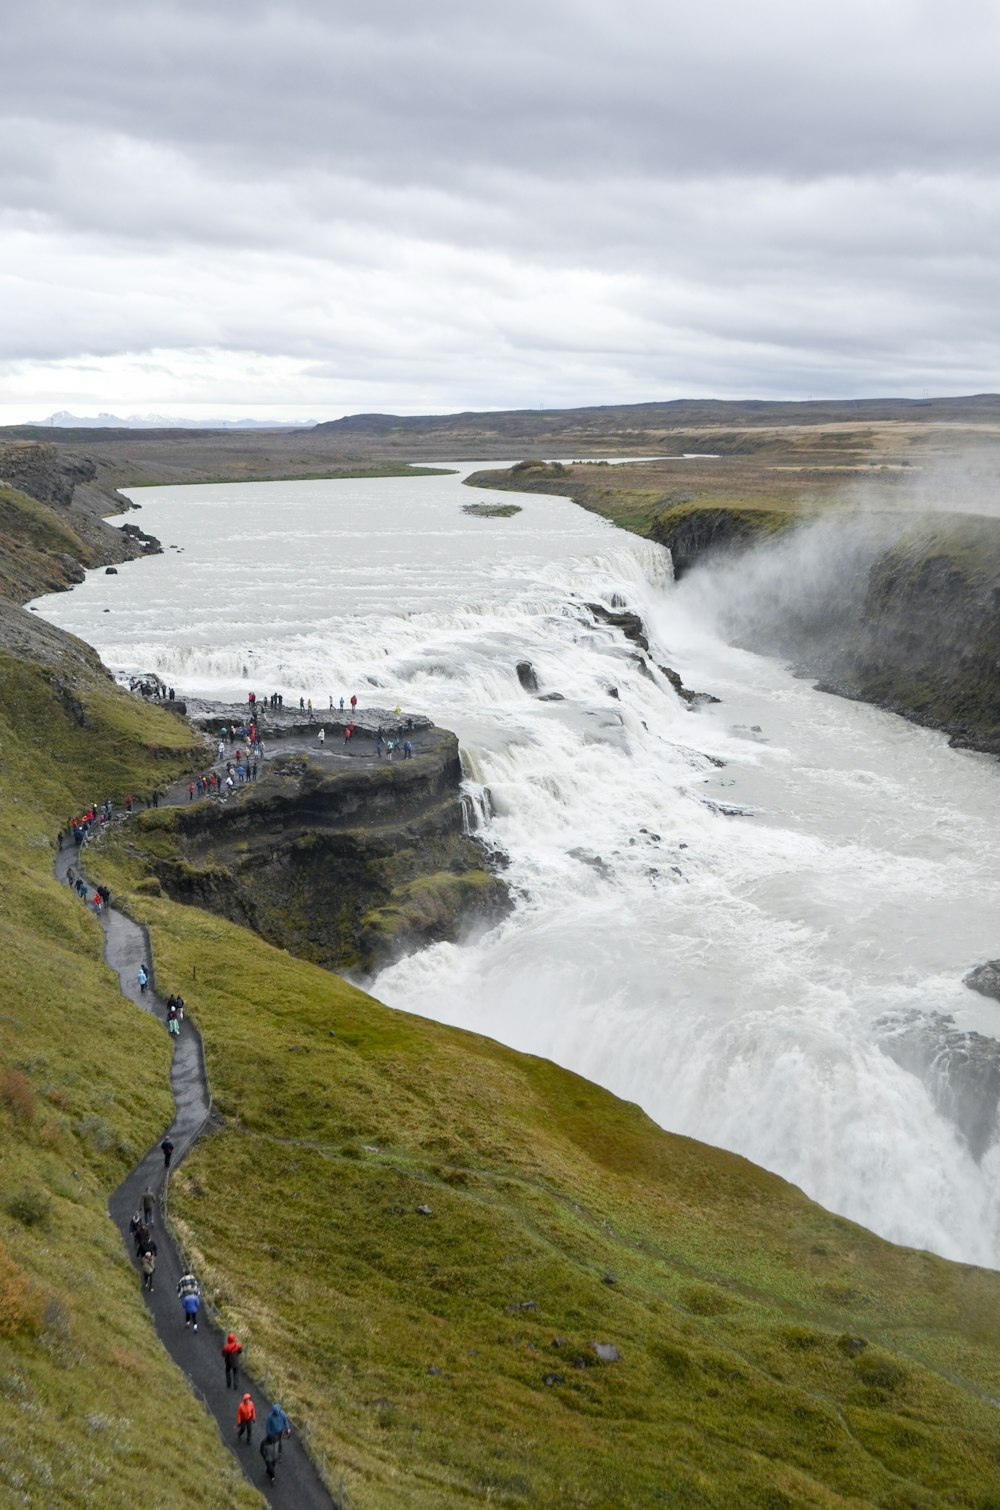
298 1485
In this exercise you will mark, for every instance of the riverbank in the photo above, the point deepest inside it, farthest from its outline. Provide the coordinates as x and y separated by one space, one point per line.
891 603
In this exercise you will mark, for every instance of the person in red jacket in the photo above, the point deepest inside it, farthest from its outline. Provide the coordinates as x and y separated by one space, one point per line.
231 1350
246 1415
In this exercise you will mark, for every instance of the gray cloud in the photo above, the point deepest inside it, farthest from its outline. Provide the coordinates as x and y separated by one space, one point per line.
548 202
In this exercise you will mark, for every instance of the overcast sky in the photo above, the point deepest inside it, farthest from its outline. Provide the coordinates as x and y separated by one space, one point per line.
226 208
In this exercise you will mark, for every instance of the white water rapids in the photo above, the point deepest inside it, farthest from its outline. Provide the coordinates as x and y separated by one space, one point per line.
732 974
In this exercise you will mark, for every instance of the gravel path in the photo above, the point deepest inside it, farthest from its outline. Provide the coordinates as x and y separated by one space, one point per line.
298 1485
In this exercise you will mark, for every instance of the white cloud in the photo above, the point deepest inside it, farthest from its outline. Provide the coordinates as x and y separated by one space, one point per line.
436 206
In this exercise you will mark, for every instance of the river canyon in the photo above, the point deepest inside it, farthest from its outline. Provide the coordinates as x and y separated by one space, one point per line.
751 916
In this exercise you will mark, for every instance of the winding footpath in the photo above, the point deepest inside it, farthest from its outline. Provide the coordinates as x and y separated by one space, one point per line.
298 1484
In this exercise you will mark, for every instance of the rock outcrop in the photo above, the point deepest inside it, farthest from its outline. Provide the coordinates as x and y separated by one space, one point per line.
346 866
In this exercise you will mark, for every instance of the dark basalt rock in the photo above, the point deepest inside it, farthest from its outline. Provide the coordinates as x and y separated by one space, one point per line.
693 699
348 866
111 571
72 570
960 1069
586 857
985 979
630 624
526 676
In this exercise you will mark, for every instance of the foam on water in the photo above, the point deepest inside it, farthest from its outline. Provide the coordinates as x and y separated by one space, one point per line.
729 973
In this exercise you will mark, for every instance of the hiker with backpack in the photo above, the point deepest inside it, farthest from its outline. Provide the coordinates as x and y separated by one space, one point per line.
189 1291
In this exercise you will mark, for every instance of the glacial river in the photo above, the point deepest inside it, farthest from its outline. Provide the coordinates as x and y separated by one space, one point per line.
760 953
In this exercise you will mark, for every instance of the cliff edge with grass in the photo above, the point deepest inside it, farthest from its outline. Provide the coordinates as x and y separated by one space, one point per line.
892 602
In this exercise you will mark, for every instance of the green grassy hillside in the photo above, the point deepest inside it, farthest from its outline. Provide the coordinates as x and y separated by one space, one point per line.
94 1412
770 1353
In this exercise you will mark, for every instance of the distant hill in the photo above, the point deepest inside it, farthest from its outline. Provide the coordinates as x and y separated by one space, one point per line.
63 420
673 414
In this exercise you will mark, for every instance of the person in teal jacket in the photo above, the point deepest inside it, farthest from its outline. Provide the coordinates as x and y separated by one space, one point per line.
277 1426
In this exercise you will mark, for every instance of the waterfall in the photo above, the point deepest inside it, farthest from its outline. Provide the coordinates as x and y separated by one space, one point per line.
720 912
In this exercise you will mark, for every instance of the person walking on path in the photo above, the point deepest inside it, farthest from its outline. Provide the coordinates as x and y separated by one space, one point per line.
147 1263
143 978
277 1426
190 1293
246 1415
168 1148
269 1452
148 1204
231 1350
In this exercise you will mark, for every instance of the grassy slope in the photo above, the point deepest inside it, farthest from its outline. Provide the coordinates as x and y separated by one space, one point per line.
32 536
393 1334
91 1404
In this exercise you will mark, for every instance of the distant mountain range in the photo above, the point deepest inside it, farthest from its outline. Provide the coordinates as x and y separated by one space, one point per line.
671 414
63 420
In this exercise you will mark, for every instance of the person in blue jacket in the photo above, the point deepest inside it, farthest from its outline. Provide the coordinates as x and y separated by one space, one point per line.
189 1290
277 1426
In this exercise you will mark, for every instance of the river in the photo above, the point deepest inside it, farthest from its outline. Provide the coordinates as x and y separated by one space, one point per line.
759 952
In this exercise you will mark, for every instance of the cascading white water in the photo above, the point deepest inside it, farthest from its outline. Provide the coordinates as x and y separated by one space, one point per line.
730 973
